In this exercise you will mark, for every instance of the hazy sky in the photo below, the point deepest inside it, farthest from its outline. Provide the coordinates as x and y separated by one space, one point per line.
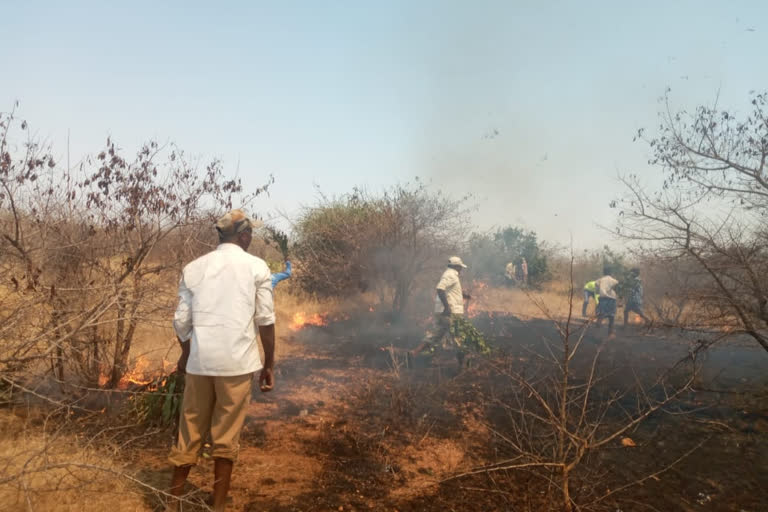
337 94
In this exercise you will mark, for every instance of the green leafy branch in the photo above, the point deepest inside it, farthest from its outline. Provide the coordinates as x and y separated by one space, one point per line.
469 336
161 404
279 238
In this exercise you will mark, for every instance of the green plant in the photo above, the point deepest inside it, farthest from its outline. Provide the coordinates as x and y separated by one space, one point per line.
385 242
279 238
470 337
489 253
160 405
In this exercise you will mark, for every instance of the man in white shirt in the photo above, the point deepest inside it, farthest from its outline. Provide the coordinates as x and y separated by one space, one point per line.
224 296
449 302
606 308
510 272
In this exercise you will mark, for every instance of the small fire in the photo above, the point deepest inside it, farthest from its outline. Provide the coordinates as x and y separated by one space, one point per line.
168 366
477 289
370 309
301 319
138 375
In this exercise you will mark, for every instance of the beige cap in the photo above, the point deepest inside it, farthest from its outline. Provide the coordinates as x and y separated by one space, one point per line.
236 221
456 261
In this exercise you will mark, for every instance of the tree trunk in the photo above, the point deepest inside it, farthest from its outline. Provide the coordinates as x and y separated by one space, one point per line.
567 504
400 299
124 337
118 364
58 359
60 364
94 368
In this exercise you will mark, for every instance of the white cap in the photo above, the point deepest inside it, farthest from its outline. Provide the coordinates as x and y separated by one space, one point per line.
456 261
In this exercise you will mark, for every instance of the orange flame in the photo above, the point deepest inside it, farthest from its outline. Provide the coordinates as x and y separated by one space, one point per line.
138 375
477 288
301 319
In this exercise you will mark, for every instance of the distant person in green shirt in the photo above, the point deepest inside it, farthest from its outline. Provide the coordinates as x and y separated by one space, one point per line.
590 292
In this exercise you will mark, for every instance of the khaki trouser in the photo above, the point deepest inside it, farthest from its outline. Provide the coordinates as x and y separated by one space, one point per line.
441 334
215 404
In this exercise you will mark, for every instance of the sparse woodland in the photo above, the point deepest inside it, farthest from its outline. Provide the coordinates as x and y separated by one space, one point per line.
555 417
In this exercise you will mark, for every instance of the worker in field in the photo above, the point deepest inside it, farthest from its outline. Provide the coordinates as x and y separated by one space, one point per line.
635 297
449 302
590 292
606 308
225 296
510 272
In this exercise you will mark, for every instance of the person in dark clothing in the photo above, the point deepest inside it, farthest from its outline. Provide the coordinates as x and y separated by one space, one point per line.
635 297
606 308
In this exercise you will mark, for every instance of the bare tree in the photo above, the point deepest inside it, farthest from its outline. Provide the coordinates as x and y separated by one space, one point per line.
711 210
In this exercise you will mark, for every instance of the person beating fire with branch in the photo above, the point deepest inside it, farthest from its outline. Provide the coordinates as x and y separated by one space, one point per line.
590 292
449 302
606 307
224 297
635 297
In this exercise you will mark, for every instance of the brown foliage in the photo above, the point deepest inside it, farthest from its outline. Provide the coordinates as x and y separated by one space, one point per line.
86 251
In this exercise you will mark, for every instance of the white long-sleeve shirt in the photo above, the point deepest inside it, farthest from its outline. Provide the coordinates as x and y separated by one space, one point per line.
223 297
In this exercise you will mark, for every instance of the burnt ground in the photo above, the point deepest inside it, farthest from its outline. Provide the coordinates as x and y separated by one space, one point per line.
353 427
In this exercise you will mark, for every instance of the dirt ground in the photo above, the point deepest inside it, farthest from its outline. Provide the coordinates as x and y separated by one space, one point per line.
353 427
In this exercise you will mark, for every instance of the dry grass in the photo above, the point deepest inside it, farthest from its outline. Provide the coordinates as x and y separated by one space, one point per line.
554 296
57 472
522 303
61 474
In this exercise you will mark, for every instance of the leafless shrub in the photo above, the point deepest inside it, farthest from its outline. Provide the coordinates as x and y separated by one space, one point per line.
710 212
80 267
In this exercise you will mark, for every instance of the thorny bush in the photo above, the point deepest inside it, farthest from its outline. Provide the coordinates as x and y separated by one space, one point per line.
89 252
